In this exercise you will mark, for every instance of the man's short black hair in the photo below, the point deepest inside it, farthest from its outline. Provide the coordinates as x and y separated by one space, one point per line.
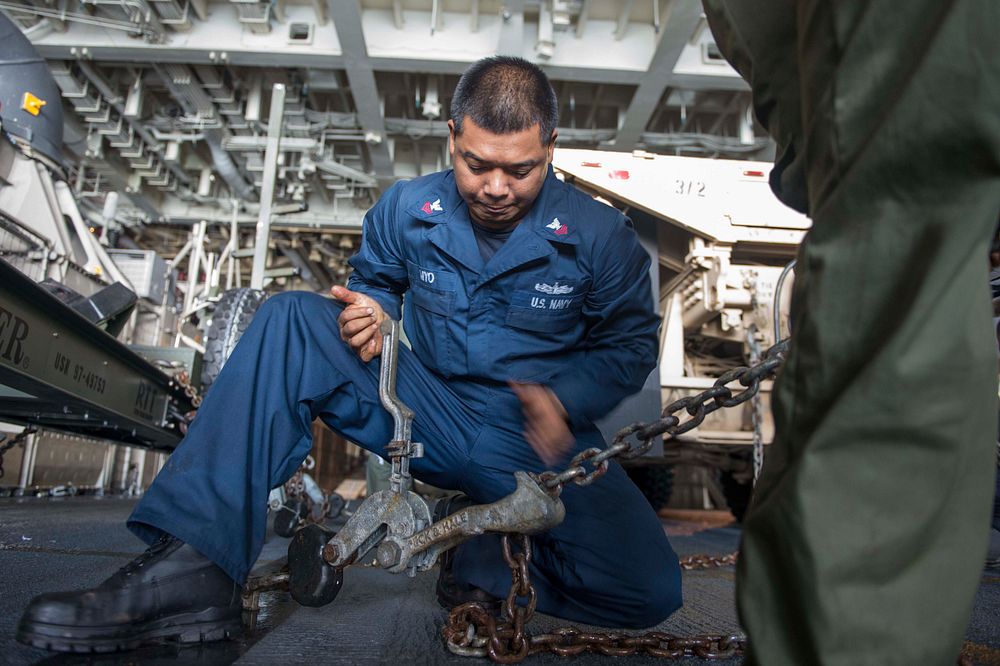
504 94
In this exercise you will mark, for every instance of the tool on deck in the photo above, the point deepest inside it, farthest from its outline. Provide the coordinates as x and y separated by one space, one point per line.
396 524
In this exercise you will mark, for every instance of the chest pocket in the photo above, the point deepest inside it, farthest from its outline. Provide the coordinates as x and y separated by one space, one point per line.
432 289
545 313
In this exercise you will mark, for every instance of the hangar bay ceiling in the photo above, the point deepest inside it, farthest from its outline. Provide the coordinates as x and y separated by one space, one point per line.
167 101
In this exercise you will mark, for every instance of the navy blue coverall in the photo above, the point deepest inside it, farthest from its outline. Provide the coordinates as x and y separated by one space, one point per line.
565 302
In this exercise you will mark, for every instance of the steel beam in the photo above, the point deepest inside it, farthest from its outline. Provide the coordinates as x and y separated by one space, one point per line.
198 53
732 106
397 13
511 40
436 18
361 77
708 82
265 59
623 17
27 461
682 17
267 185
581 19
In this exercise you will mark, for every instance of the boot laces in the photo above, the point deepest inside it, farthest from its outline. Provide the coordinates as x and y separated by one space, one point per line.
158 547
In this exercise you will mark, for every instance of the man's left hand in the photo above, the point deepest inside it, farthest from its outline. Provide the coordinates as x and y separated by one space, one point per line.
545 425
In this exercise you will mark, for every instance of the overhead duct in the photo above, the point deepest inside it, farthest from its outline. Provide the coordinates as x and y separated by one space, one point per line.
226 168
195 102
344 171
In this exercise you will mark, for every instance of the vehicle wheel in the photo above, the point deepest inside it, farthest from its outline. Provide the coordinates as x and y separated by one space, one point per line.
737 494
656 483
232 316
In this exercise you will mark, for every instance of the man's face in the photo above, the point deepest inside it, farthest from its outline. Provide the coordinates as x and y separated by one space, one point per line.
498 175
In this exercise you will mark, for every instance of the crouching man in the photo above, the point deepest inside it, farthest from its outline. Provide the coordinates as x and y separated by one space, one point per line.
530 314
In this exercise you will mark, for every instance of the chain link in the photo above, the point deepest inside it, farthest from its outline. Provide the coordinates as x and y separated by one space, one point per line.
669 425
698 562
182 382
14 441
295 490
756 408
472 631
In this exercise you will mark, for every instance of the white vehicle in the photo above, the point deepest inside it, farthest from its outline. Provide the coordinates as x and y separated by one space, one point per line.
723 241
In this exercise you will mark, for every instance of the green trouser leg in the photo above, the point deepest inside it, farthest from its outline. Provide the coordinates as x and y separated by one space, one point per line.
868 532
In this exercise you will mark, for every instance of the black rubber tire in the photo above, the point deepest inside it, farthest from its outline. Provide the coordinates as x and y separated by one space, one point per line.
737 494
656 483
232 316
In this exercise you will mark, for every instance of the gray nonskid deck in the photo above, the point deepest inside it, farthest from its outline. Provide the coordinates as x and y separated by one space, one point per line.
378 618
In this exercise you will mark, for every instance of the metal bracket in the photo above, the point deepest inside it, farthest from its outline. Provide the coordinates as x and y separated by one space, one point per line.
527 510
398 522
384 514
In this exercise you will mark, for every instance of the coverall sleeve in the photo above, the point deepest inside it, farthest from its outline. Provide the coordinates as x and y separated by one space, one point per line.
622 338
379 266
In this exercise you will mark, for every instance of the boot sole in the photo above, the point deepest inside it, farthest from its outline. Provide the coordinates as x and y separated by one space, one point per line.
201 627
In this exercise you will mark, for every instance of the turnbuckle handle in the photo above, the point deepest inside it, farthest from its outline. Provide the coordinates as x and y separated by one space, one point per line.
402 416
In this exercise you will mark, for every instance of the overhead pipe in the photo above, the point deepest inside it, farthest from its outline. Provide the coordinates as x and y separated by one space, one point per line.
221 159
225 167
60 15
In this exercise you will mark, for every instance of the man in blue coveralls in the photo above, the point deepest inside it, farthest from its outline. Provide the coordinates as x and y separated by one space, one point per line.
529 311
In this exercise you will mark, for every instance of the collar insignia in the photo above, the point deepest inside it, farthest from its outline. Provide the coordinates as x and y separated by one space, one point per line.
558 227
432 207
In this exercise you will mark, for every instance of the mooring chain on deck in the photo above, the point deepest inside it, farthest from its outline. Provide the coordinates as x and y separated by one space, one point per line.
698 562
669 425
472 631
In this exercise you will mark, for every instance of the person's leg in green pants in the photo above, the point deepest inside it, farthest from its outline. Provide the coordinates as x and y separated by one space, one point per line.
868 532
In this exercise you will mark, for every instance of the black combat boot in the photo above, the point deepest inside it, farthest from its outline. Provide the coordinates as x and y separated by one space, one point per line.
169 593
451 592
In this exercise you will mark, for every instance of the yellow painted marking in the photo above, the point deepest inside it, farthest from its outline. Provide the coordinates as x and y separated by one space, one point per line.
32 104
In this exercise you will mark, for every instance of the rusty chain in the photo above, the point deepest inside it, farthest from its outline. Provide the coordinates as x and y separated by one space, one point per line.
698 562
295 490
756 409
182 383
669 425
472 631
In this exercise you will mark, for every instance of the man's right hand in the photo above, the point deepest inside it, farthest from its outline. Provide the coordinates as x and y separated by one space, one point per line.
359 322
